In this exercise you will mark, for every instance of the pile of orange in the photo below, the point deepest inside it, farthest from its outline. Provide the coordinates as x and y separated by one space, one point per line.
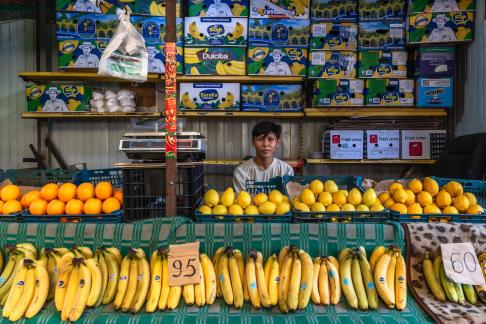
69 199
10 200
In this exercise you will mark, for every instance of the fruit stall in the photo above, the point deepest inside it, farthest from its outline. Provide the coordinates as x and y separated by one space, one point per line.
242 161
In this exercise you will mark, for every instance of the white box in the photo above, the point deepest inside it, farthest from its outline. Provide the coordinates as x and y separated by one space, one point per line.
382 144
346 144
416 144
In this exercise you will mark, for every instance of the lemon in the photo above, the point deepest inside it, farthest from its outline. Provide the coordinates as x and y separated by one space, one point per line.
228 197
220 210
282 208
260 199
267 208
252 210
415 185
394 186
369 197
330 186
325 198
431 186
235 210
243 199
410 197
454 188
275 196
348 207
471 197
475 209
339 198
307 197
354 197
205 210
318 207
414 208
450 210
424 198
316 186
389 203
377 207
443 199
302 207
432 209
461 203
285 198
295 200
333 208
345 192
362 208
398 207
400 195
211 198
384 196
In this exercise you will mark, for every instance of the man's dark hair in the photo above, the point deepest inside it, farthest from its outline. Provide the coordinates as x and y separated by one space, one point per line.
265 128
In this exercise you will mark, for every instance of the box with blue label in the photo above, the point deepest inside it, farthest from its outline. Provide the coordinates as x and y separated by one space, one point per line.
156 58
218 8
279 32
448 27
334 92
265 60
334 36
209 96
334 10
215 60
57 98
294 9
435 62
85 26
153 29
381 35
435 92
215 31
149 7
389 92
263 97
382 10
93 6
332 64
382 64
417 6
80 54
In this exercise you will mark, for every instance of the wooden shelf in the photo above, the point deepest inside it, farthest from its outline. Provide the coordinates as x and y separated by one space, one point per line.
77 76
255 114
292 163
240 78
328 161
375 112
91 115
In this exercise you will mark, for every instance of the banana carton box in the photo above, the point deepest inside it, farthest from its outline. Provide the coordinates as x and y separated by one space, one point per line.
216 31
334 10
148 7
153 29
85 26
333 64
80 54
295 9
263 97
389 92
448 27
435 61
279 32
435 92
338 92
94 6
382 64
382 10
156 58
218 8
269 60
209 96
215 60
334 36
57 98
381 35
418 6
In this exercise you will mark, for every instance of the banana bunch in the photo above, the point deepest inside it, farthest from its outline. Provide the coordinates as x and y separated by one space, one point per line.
326 285
237 32
230 271
191 55
195 33
1 260
227 102
257 282
109 260
52 257
28 291
272 271
134 282
82 251
481 290
390 274
295 279
187 101
231 68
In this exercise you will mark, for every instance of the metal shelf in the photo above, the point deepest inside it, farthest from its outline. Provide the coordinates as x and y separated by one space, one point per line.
256 114
76 76
328 161
90 115
375 112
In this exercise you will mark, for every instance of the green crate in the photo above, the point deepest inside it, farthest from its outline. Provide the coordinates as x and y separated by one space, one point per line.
39 177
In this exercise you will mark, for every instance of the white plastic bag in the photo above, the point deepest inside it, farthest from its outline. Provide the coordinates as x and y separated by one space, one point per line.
126 55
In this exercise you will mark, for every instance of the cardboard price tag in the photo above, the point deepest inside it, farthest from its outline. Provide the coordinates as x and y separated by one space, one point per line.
184 265
461 264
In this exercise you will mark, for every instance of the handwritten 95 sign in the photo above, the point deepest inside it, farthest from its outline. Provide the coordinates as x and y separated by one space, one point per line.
461 264
184 265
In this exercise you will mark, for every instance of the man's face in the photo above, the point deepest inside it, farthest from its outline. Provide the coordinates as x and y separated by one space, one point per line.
440 23
86 50
277 57
265 145
151 55
52 95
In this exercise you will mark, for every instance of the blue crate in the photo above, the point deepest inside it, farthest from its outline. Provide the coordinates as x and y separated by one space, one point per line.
39 177
12 218
115 217
2 175
477 187
114 176
343 182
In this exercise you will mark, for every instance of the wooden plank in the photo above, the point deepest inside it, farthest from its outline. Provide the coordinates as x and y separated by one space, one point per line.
240 78
76 76
329 161
244 114
89 115
375 112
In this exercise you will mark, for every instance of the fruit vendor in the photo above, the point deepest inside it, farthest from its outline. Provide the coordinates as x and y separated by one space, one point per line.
54 104
87 59
265 138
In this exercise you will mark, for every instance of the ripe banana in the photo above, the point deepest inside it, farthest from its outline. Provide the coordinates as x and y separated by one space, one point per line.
155 283
100 259
294 286
306 279
8 270
224 279
188 294
284 284
132 286
65 270
345 272
380 276
241 268
261 282
266 268
200 289
216 257
122 282
390 275
71 290
41 290
174 297
251 282
343 254
432 280
334 261
54 262
315 297
16 289
368 282
334 281
273 281
96 281
281 255
209 278
113 251
323 284
358 284
1 260
165 290
448 285
400 283
82 293
143 284
375 255
27 294
235 277
481 291
114 275
470 294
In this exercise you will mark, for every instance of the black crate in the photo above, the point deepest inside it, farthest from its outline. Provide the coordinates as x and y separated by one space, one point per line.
144 191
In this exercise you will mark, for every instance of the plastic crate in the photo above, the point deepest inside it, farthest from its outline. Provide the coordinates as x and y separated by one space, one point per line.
115 217
12 218
144 191
2 175
39 177
114 176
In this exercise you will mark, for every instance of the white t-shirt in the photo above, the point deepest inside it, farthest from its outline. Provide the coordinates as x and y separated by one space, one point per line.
250 171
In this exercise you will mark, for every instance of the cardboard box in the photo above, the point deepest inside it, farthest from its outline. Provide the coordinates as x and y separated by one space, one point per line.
417 6
381 35
149 7
295 9
156 58
382 144
85 26
382 10
153 29
225 8
215 60
333 64
334 10
57 98
448 27
435 92
382 64
263 97
334 36
333 92
215 31
209 96
389 92
422 144
435 62
269 60
345 144
93 6
279 32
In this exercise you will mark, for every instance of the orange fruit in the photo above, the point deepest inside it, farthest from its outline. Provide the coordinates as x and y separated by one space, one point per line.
74 207
10 192
1 205
93 206
119 195
55 207
38 207
67 192
11 206
29 197
103 190
110 205
85 191
49 191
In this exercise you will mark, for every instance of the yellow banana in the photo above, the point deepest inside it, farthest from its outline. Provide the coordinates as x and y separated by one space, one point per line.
375 255
7 284
115 252
334 261
209 279
368 282
187 102
132 286
358 284
165 290
9 269
122 281
53 263
306 280
294 286
273 281
82 294
237 32
188 294
85 252
23 303
220 70
432 280
1 260
284 284
390 275
315 297
380 276
200 289
217 256
16 289
334 281
153 259
113 276
236 286
143 284
194 31
261 282
251 282
400 283
60 251
174 297
266 268
64 274
100 259
72 289
224 279
96 281
281 255
345 272
241 268
343 254
155 283
323 284
27 246
41 290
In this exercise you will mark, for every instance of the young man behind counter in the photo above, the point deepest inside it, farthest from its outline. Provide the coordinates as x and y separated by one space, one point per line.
265 138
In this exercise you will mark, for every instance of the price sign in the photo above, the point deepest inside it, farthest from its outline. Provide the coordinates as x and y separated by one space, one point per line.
461 264
184 265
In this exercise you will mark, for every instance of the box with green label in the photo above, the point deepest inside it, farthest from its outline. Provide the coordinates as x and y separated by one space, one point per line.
333 64
279 32
382 10
216 31
382 64
418 6
338 92
57 98
444 27
271 97
334 36
279 9
80 54
389 92
334 10
209 96
149 7
215 60
218 8
275 61
94 6
381 35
